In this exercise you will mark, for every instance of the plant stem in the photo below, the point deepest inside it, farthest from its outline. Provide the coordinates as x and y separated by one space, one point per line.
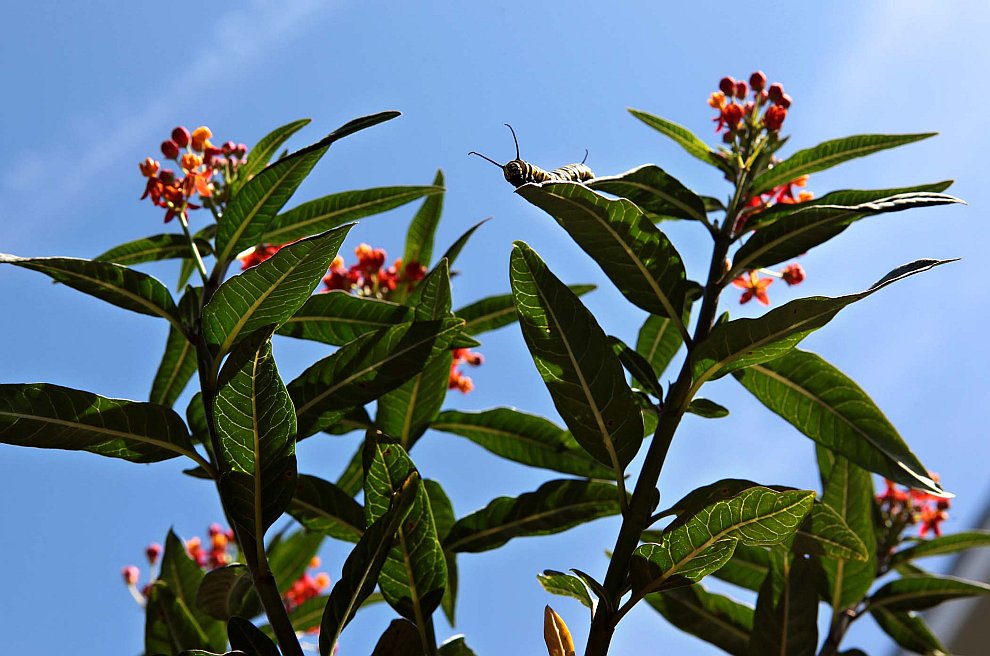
192 245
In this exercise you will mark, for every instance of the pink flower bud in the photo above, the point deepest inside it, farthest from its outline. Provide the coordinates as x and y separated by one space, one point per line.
130 574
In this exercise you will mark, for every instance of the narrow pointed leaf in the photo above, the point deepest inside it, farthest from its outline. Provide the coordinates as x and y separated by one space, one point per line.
639 259
406 412
53 417
363 565
170 626
681 135
639 368
712 617
263 151
431 300
401 638
655 191
152 249
255 425
825 533
423 227
567 585
322 506
496 311
522 438
290 557
658 341
365 369
351 480
443 519
786 619
945 544
455 249
113 283
827 406
184 577
338 317
248 638
828 154
742 343
337 209
707 409
921 592
811 226
554 507
177 366
576 362
757 516
909 631
414 576
223 590
271 292
253 207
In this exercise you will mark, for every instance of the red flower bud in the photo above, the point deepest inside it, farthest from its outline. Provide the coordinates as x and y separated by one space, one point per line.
793 274
776 92
167 176
152 552
741 90
785 101
727 86
758 81
229 147
180 135
241 150
732 115
170 149
775 118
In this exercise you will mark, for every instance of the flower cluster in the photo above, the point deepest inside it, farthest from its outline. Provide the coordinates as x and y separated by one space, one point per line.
216 555
370 277
766 110
458 380
903 507
205 171
754 286
306 586
258 254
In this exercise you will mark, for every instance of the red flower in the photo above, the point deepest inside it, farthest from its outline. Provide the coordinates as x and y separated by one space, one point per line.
774 117
149 168
931 520
754 286
255 257
793 274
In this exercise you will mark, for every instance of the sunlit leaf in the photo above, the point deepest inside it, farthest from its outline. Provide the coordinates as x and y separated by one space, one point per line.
655 191
154 248
825 533
338 317
707 409
944 544
423 227
681 135
263 151
455 249
921 592
658 341
568 585
497 311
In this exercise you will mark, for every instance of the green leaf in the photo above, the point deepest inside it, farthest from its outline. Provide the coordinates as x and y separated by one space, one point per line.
253 207
443 519
825 533
698 499
848 489
414 576
576 362
255 426
827 406
152 249
643 376
655 191
707 409
363 565
747 568
196 417
921 592
813 225
262 152
365 369
307 615
786 619
455 249
566 585
522 438
222 593
52 417
271 292
431 300
406 412
169 624
684 137
828 154
496 311
554 507
742 343
337 209
338 317
455 646
712 617
183 577
658 342
423 227
909 631
177 366
945 544
289 557
351 480
638 258
113 283
401 638
701 544
248 638
322 506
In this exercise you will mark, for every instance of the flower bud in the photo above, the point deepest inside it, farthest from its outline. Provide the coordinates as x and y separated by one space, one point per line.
130 574
776 92
758 81
167 176
241 150
741 90
170 149
229 147
180 135
793 274
733 114
152 552
775 118
727 86
785 101
200 138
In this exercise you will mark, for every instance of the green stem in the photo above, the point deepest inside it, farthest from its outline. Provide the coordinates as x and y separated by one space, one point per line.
200 265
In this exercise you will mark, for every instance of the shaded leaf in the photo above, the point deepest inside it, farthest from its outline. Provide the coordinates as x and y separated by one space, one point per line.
523 438
223 590
944 544
152 249
496 311
54 417
827 406
271 292
423 227
455 646
184 577
322 506
712 617
338 317
176 368
921 592
658 341
828 154
747 568
909 631
638 258
337 209
638 367
169 624
655 191
250 639
684 137
576 362
443 519
554 507
401 638
290 557
786 619
707 409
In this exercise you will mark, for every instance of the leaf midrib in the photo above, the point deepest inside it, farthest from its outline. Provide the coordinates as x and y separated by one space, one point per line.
321 217
495 530
662 194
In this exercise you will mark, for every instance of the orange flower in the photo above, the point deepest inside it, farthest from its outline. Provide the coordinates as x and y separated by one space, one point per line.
149 168
754 286
201 138
717 100
191 162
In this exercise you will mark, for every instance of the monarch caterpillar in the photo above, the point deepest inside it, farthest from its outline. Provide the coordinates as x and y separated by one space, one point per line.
519 172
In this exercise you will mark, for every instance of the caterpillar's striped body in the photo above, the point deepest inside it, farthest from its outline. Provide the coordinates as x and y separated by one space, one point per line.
519 172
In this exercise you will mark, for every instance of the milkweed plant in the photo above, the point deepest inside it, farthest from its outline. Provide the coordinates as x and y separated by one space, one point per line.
252 271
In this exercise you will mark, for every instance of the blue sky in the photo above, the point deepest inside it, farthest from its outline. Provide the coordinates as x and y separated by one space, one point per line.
92 88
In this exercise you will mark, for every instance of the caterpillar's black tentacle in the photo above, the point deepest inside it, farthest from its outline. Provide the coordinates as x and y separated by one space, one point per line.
518 172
